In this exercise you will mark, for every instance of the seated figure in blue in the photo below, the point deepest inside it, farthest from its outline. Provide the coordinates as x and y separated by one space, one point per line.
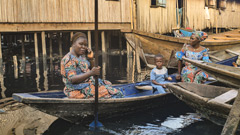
159 75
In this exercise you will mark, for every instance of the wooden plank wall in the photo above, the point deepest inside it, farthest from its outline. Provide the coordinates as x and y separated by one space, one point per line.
162 20
156 20
225 18
47 11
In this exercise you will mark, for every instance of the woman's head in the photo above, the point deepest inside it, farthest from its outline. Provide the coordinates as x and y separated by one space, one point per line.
159 61
79 43
197 37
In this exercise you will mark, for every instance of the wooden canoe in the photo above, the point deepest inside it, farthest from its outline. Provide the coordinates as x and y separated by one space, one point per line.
223 73
217 56
81 110
212 102
153 44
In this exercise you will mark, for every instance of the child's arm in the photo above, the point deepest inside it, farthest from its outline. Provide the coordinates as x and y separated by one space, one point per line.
167 77
156 83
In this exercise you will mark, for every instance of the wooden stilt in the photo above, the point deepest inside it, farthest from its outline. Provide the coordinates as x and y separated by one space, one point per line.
120 47
233 119
45 83
60 45
89 40
133 67
1 60
15 63
36 46
104 57
129 62
2 85
44 50
38 75
71 35
103 42
23 48
44 45
51 53
138 64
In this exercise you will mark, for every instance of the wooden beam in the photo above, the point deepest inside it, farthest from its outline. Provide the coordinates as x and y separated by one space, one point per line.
216 58
226 38
233 119
230 51
24 27
36 46
232 35
89 40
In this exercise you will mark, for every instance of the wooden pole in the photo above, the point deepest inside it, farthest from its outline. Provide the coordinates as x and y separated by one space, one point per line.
36 46
134 15
50 53
103 42
89 40
1 60
233 119
60 45
44 50
15 63
138 59
104 57
216 21
23 49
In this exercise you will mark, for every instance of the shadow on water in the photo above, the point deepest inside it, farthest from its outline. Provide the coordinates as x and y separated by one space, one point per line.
171 119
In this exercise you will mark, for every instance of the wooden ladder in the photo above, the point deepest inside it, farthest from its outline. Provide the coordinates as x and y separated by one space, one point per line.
233 119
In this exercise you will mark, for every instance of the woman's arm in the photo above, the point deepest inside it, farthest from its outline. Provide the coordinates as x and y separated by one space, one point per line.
179 69
80 78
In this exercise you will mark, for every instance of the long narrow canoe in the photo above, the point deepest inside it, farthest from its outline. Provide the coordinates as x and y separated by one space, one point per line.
212 102
223 73
81 110
153 44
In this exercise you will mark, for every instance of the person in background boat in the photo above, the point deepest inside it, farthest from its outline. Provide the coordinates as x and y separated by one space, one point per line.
194 51
77 76
159 75
237 63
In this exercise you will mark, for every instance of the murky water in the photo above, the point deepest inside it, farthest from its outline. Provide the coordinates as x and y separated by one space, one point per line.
20 119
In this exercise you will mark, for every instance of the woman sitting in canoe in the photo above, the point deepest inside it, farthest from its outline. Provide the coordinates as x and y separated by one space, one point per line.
193 51
77 76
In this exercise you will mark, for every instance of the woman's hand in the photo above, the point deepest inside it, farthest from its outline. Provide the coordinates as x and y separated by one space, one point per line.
95 71
169 78
89 53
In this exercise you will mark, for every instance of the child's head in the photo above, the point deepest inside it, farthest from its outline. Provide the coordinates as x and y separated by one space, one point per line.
159 61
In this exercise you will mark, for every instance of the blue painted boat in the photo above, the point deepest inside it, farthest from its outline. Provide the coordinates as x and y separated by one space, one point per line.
81 110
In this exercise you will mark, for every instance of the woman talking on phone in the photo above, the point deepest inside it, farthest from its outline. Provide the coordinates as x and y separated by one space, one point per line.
77 75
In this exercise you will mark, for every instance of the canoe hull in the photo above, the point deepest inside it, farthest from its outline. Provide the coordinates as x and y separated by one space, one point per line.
213 111
82 112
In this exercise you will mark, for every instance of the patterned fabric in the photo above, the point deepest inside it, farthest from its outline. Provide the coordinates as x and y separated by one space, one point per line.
71 66
159 76
200 35
189 71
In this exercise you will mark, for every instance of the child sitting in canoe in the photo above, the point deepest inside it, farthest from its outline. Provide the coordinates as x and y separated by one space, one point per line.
237 63
159 75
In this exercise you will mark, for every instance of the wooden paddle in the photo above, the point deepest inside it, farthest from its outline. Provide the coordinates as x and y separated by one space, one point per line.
96 124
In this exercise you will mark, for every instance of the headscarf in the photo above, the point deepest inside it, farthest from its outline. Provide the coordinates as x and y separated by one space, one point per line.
200 35
78 35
